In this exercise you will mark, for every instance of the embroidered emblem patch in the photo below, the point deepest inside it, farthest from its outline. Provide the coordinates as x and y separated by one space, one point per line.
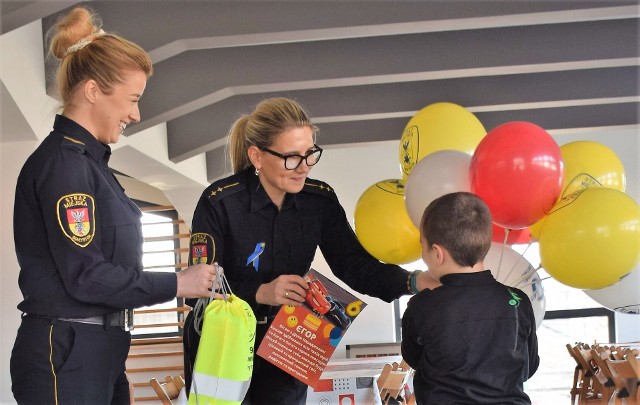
203 248
76 216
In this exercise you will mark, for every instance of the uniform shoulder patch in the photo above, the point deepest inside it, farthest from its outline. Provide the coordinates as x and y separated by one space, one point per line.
76 216
224 188
320 188
203 248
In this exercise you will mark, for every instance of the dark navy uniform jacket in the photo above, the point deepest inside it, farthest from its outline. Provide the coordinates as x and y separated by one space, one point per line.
471 341
78 236
236 224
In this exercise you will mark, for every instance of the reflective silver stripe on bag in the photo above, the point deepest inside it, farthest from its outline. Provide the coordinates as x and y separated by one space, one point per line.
219 388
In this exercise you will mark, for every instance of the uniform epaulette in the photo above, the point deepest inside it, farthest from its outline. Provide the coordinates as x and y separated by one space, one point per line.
320 188
223 188
74 144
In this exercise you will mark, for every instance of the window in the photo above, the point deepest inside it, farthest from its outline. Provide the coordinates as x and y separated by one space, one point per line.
163 252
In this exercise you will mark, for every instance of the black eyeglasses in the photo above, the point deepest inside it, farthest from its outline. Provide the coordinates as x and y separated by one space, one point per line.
292 161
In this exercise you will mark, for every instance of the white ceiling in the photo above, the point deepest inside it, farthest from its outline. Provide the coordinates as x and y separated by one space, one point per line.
363 68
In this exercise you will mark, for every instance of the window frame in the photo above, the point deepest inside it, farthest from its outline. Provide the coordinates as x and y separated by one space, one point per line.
171 214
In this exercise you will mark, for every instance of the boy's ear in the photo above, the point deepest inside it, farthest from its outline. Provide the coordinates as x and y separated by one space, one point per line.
440 253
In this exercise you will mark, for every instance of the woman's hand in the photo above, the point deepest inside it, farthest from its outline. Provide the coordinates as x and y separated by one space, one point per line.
197 281
287 289
426 280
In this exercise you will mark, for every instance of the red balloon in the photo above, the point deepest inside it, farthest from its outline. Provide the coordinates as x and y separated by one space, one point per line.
517 170
515 237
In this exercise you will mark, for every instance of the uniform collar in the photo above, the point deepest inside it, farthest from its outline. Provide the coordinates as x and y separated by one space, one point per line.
78 133
466 279
259 197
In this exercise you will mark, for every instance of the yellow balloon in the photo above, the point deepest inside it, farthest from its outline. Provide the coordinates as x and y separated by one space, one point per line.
587 161
591 238
536 228
438 126
383 225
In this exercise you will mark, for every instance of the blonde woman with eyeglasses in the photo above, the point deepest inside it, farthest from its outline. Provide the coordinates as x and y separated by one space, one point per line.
263 225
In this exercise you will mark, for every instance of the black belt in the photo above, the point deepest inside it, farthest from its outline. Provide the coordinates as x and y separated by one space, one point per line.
122 319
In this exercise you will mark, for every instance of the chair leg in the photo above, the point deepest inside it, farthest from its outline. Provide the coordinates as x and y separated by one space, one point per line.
574 388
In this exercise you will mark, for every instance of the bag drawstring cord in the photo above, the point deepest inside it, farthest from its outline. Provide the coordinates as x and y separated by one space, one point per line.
198 310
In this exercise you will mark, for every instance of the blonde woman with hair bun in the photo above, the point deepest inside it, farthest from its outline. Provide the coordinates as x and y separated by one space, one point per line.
78 237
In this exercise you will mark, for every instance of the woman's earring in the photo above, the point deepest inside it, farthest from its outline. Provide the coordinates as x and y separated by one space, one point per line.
257 171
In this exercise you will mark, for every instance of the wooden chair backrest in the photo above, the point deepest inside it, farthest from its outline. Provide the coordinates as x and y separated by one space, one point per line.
608 387
634 363
625 378
583 357
169 389
392 380
178 380
578 374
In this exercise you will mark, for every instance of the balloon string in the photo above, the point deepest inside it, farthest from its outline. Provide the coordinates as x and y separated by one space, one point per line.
517 261
500 261
532 282
526 275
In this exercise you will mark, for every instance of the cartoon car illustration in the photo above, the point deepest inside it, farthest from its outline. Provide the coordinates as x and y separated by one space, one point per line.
321 303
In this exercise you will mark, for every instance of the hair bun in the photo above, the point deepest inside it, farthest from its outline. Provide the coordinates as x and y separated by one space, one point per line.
77 26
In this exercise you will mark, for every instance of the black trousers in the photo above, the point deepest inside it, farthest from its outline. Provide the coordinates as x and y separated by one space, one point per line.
59 362
269 384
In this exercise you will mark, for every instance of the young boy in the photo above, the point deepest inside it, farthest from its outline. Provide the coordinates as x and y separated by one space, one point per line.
472 340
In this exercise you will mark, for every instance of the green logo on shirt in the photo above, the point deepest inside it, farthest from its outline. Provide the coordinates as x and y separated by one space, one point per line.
515 299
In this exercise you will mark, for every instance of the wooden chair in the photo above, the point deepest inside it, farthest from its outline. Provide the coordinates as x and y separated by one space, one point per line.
178 380
592 388
626 380
391 382
632 359
578 375
169 389
619 352
604 374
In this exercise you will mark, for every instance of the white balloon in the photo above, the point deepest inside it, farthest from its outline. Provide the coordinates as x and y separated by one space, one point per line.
623 296
437 174
511 268
535 292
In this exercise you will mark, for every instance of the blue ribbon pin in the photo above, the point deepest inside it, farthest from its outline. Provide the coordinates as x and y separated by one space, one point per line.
255 256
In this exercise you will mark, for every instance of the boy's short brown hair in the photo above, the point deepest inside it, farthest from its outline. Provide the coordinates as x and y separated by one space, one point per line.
461 223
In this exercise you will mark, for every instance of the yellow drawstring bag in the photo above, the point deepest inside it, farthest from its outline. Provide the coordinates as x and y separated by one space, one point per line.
224 362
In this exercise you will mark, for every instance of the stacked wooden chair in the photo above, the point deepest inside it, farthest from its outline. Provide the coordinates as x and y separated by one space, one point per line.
626 377
392 381
605 374
594 386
